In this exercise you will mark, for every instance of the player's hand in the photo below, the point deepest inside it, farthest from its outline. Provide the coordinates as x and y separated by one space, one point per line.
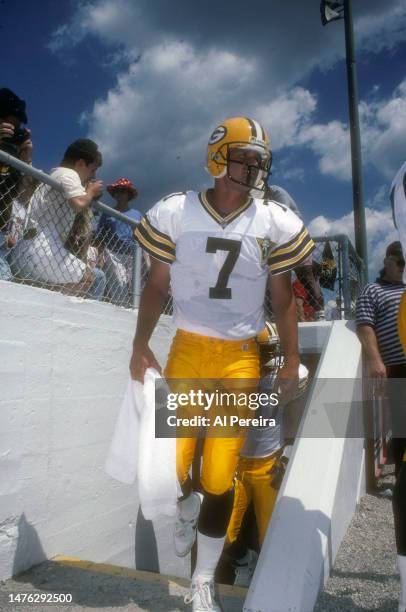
287 380
142 359
95 189
277 472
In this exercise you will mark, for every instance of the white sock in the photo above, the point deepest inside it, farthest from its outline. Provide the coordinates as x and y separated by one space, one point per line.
402 570
189 506
208 554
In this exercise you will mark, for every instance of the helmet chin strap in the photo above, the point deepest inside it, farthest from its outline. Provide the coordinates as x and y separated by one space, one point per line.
258 188
254 190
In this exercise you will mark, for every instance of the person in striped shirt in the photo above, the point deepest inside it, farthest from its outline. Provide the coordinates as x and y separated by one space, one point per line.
377 312
377 325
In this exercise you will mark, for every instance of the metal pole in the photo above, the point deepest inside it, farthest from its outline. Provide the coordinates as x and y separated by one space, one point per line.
358 200
340 277
136 275
346 277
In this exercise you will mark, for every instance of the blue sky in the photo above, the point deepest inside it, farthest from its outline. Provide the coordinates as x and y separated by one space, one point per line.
150 80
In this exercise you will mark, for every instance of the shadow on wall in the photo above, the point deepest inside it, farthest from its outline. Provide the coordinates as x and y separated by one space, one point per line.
29 551
146 549
94 589
290 570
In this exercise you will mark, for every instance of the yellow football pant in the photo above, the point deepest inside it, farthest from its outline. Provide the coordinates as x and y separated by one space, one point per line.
402 322
232 365
253 483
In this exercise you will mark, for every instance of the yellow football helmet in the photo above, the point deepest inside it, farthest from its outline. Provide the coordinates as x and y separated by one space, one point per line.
239 133
270 347
272 360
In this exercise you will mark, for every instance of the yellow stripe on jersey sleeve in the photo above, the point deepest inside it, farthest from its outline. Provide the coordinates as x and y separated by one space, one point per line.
156 235
289 256
291 246
155 242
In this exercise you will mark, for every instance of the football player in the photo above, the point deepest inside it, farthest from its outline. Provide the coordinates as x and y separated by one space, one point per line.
398 201
264 456
216 248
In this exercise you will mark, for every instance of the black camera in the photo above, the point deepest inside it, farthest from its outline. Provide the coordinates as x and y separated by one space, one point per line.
20 135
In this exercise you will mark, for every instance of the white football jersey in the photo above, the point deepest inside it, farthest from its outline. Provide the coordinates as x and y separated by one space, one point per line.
398 201
220 265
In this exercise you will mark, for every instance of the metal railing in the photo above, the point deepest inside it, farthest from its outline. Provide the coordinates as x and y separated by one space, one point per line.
45 244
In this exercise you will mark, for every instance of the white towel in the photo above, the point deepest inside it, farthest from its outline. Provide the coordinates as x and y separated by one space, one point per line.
136 453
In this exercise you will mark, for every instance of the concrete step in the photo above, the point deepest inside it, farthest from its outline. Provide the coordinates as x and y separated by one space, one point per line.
98 586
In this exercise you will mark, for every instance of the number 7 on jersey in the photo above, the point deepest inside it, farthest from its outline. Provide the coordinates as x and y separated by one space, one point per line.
233 247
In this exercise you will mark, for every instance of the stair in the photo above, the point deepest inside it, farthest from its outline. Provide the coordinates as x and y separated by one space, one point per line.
98 586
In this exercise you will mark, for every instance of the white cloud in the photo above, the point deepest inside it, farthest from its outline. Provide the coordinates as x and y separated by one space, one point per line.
331 143
111 21
380 198
382 29
385 132
185 72
383 137
148 123
138 24
287 116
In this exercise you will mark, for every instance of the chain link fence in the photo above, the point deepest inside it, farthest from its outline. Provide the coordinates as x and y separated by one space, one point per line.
327 285
93 254
44 243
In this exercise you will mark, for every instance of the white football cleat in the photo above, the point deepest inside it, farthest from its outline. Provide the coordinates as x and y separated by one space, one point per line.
201 595
185 530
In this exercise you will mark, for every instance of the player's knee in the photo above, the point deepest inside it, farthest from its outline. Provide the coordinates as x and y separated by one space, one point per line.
216 483
215 513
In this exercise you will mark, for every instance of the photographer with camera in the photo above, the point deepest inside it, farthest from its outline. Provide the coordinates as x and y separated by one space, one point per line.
15 140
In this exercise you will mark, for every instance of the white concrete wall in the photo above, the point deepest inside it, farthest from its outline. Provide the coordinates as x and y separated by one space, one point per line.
324 481
63 371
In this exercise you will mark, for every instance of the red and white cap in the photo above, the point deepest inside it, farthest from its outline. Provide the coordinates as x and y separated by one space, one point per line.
123 183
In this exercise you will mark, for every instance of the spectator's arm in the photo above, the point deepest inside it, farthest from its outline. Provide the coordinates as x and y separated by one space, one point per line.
369 341
366 315
300 310
306 277
93 191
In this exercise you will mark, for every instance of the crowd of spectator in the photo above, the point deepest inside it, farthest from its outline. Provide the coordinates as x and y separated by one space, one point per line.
15 189
50 237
